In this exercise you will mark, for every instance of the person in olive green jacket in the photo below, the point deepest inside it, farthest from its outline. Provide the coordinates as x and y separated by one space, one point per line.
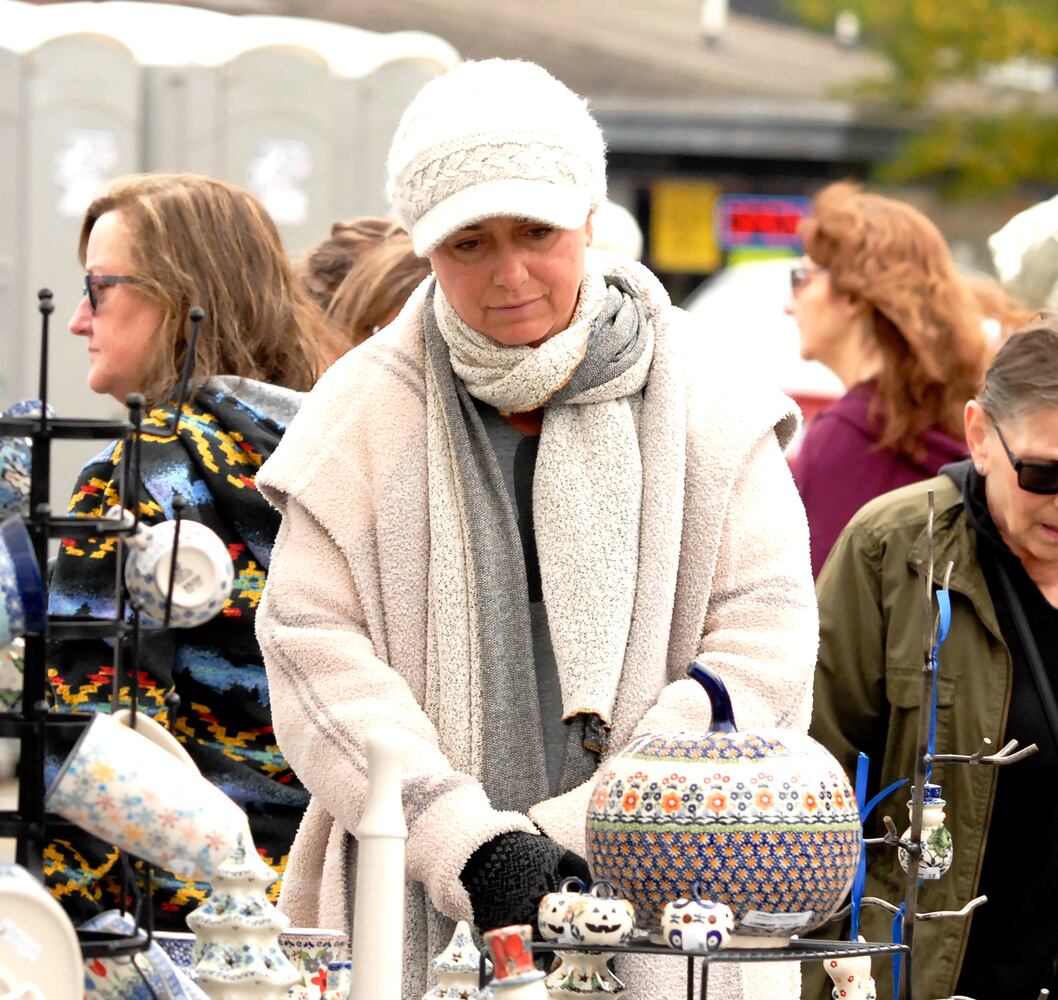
996 520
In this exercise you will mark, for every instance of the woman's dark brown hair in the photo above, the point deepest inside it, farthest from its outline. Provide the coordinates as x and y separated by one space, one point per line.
363 274
925 320
198 241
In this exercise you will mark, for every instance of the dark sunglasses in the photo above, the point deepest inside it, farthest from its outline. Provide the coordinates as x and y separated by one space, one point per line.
94 282
801 275
1033 477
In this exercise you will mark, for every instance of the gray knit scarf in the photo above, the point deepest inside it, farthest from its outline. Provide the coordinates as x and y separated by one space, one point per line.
586 502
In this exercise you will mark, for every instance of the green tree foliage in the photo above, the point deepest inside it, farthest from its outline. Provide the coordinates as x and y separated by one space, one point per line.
977 136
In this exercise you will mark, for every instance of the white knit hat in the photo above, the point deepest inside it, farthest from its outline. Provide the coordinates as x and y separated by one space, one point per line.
497 137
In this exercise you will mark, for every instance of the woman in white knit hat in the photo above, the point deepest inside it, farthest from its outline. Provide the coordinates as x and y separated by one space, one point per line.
509 521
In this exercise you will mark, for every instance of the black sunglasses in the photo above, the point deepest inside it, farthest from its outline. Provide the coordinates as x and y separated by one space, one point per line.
93 282
1033 477
801 275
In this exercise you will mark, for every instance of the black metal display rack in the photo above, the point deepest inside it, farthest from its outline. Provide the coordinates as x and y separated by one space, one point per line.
698 983
33 723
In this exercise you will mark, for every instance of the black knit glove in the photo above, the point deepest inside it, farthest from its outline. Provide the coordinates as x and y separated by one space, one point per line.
508 876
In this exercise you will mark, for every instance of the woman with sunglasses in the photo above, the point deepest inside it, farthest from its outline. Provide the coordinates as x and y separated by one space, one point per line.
153 247
996 520
878 300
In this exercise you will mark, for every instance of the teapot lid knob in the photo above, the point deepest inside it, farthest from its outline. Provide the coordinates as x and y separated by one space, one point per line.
719 699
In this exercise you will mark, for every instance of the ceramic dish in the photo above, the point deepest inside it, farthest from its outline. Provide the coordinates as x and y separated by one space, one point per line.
38 945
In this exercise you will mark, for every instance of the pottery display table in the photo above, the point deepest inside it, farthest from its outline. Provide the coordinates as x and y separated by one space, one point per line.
797 951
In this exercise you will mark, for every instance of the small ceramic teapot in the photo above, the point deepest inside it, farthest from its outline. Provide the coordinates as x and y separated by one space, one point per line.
937 848
697 924
552 919
851 977
556 909
598 918
766 821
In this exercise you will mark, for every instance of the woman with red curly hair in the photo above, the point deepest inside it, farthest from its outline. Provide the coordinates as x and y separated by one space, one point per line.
878 300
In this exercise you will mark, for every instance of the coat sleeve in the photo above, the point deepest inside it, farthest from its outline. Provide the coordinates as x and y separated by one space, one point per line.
851 710
329 690
760 629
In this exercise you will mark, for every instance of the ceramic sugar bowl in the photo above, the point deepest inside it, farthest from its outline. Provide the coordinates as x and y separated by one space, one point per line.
697 924
766 822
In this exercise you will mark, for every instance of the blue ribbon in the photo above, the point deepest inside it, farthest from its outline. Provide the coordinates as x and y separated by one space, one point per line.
862 766
858 883
898 938
944 605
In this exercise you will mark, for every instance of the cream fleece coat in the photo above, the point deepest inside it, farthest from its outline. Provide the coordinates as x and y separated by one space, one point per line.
343 627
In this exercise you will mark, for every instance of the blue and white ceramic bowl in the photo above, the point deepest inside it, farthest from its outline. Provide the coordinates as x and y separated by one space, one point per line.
22 607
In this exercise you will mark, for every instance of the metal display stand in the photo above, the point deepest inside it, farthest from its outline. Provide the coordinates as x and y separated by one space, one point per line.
32 723
797 951
924 759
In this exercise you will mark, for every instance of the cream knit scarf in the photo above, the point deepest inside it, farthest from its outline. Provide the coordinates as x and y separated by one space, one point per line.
587 495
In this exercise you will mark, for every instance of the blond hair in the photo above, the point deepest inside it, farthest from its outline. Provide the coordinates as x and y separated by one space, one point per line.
198 241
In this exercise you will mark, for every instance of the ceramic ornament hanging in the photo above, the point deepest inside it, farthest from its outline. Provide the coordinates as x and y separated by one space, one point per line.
237 953
937 848
851 978
457 968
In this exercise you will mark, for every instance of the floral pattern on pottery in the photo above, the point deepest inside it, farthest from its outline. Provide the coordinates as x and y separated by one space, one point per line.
128 791
766 822
16 459
458 967
117 979
311 950
339 981
697 924
179 946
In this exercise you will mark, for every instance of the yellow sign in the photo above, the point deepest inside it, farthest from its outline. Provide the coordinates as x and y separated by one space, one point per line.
682 237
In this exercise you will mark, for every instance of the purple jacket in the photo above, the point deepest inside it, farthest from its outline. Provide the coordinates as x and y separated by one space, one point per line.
839 468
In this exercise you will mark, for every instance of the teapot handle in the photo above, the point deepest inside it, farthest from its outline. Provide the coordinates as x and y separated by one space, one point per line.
719 699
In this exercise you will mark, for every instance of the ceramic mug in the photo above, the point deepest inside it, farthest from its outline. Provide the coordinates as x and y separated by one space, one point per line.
312 950
22 605
156 733
203 571
131 792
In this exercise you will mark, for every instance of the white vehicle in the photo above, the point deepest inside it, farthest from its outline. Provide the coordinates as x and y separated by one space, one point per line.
743 305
